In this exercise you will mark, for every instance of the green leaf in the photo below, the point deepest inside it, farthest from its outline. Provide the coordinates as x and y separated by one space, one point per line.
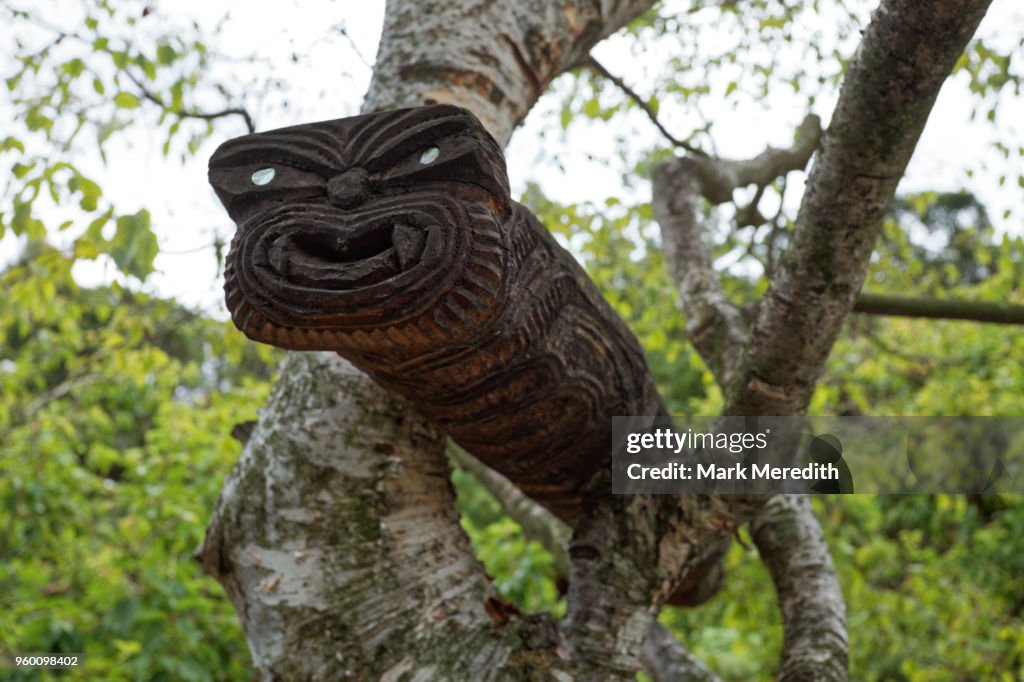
134 246
22 214
165 54
36 120
126 100
10 143
20 170
148 67
74 67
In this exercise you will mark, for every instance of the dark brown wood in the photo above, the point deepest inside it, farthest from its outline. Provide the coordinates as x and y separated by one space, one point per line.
391 238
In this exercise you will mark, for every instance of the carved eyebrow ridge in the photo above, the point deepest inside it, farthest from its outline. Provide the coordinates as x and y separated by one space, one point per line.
274 157
299 149
399 132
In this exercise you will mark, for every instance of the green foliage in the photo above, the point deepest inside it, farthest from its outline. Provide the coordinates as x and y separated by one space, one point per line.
930 586
898 366
719 632
73 91
522 570
115 419
116 407
931 582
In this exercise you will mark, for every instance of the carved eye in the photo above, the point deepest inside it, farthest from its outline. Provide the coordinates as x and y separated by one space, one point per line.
263 176
429 155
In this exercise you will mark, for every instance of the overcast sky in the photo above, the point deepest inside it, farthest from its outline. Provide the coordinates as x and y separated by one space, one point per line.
186 214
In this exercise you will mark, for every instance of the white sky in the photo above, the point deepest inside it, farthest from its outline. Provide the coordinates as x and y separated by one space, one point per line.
186 214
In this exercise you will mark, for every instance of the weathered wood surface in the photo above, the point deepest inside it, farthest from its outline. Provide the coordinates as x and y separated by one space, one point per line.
391 238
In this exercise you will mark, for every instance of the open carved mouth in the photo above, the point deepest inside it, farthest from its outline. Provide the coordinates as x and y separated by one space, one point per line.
346 258
331 249
296 273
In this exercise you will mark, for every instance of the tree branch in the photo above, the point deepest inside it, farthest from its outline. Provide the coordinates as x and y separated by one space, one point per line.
591 63
947 309
536 521
663 656
497 68
890 87
789 538
182 112
720 177
891 84
666 660
714 325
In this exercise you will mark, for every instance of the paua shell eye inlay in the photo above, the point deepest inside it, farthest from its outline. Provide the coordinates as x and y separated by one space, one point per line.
429 155
263 176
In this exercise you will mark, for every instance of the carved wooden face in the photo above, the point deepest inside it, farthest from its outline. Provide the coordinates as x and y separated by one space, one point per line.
344 224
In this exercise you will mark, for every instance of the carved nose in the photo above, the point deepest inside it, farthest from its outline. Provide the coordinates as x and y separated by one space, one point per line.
349 189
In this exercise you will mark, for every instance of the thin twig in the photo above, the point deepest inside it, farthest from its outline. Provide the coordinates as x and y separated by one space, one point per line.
600 70
191 113
340 28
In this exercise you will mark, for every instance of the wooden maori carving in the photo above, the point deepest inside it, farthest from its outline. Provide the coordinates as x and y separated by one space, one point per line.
391 239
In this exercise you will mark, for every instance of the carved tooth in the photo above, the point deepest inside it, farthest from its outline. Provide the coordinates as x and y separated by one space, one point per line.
336 339
408 243
283 337
320 338
380 338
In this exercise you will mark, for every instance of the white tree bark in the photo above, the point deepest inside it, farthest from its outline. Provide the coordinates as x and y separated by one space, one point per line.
336 539
791 543
336 536
891 85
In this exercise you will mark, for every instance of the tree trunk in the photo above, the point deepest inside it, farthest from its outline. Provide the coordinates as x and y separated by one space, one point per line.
336 536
